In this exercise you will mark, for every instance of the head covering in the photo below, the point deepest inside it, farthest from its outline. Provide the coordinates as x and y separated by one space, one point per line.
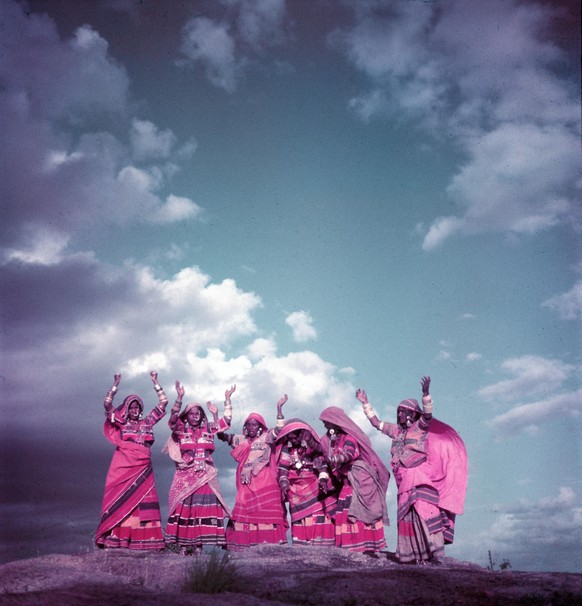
123 408
292 425
410 404
257 417
188 408
336 416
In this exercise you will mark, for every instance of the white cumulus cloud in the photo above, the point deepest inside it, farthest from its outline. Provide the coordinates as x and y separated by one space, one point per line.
301 324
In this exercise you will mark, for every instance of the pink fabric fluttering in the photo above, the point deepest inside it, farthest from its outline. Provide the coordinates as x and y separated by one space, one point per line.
449 465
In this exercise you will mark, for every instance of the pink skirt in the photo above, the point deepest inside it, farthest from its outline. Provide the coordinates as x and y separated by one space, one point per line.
356 535
197 520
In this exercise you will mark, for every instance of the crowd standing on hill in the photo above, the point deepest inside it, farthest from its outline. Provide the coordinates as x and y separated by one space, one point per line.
331 487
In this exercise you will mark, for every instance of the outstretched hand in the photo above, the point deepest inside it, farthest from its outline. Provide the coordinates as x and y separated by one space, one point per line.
362 397
229 393
180 390
154 376
212 407
282 401
116 379
425 382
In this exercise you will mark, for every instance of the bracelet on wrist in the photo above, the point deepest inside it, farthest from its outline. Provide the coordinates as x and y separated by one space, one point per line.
113 389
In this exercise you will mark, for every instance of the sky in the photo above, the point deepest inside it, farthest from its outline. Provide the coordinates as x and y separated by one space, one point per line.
303 198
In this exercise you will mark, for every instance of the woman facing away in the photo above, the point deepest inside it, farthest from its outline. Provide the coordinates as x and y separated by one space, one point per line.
429 461
300 466
258 515
197 510
361 480
130 515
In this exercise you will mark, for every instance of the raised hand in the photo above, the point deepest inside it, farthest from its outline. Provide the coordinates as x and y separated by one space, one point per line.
229 393
282 401
154 376
212 408
180 390
362 397
425 383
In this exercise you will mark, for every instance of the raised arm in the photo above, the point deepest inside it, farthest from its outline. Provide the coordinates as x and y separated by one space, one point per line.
228 404
213 408
280 417
426 399
180 391
108 402
367 407
162 397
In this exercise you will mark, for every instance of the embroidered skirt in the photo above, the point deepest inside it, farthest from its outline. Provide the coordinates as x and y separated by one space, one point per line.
197 520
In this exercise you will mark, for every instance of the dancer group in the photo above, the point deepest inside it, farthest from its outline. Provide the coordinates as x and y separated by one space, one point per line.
331 487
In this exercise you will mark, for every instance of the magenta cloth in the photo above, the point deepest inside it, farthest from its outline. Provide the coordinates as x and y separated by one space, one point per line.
449 465
304 497
259 501
130 479
336 416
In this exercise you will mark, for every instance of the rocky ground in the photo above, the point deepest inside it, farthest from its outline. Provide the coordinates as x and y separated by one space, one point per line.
274 576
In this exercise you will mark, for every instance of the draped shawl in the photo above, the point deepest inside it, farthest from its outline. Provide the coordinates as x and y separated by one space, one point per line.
368 477
130 477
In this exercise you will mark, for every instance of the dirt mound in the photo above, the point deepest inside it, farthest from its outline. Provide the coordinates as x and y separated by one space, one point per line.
271 575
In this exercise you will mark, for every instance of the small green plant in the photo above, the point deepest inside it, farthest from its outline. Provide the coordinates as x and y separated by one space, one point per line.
212 574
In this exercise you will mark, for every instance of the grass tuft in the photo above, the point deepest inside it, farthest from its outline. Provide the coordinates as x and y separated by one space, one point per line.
213 574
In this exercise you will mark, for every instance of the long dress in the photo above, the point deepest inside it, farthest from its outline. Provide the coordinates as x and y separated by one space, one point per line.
258 515
429 461
130 515
311 511
362 481
197 510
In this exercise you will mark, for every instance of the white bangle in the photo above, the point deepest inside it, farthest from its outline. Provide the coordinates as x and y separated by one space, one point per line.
369 411
113 389
158 387
323 476
381 426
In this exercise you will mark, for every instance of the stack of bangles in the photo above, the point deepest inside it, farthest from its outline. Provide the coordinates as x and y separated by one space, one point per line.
177 406
110 394
228 409
371 413
427 404
280 422
162 398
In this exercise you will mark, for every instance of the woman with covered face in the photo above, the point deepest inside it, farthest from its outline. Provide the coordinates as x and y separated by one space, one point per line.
429 461
130 515
301 466
197 510
258 515
361 481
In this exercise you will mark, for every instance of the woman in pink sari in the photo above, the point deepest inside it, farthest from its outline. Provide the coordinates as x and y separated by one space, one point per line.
197 510
429 461
311 505
130 515
361 480
258 515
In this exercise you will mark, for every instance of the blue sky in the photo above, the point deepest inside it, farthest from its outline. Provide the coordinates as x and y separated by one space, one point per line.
301 198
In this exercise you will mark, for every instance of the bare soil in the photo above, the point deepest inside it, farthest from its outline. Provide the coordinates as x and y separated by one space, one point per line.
274 576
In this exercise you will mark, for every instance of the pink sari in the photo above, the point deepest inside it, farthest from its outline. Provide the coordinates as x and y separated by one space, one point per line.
130 492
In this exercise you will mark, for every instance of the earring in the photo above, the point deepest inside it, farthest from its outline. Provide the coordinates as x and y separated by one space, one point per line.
259 431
